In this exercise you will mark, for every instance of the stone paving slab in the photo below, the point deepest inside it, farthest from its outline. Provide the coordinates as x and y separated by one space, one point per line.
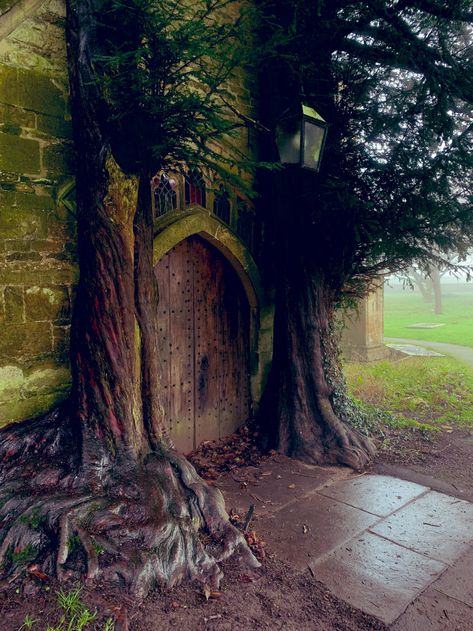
275 484
311 528
377 494
376 541
457 581
437 525
414 351
432 611
376 575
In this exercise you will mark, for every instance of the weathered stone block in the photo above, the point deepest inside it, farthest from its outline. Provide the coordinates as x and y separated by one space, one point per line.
11 380
62 340
14 304
38 93
18 410
54 126
33 201
25 340
24 394
23 256
19 155
45 379
19 223
8 85
47 303
17 116
46 277
11 128
44 245
58 159
17 245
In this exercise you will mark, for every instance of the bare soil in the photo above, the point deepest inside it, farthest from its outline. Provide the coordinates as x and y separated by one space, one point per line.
278 597
443 459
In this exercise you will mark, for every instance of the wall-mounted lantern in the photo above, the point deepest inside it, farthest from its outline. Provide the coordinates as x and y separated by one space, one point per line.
300 137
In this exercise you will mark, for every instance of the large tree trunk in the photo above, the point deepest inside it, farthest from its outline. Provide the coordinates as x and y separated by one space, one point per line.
298 411
95 489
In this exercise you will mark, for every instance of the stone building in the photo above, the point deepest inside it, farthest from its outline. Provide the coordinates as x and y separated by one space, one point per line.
215 319
215 323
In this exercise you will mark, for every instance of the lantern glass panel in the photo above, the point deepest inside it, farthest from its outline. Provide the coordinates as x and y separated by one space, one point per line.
314 136
289 144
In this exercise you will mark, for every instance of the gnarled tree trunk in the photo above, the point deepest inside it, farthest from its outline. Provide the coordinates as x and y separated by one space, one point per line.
94 488
297 411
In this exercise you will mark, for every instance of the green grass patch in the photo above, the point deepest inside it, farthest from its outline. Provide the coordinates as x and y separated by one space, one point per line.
73 615
405 307
425 393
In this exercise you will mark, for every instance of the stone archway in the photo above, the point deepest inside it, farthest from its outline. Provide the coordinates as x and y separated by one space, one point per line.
204 325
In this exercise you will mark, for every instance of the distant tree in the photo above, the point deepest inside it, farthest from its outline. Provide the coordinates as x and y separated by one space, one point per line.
427 277
148 82
394 79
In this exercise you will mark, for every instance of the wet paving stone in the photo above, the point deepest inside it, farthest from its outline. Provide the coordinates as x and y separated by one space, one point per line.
376 575
433 611
305 531
457 581
377 494
275 484
436 525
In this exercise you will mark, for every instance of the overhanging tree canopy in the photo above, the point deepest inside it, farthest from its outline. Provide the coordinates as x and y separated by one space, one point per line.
394 80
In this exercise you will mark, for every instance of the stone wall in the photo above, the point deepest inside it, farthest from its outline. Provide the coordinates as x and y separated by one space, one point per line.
37 227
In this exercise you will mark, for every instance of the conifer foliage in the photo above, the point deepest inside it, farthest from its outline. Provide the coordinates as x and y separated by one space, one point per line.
394 80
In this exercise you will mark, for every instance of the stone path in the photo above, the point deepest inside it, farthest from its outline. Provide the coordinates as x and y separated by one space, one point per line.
462 353
395 549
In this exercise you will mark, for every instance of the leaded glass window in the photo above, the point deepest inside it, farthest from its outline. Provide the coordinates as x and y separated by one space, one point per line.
222 204
195 188
165 194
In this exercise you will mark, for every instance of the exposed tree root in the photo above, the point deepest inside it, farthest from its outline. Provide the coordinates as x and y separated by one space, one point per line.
143 524
327 444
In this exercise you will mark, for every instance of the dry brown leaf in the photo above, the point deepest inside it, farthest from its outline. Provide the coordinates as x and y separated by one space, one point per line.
206 591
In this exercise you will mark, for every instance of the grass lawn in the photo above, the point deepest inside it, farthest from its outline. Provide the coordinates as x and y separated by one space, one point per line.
404 307
428 393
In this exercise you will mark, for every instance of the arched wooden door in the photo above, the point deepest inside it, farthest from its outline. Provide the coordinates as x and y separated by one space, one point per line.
203 318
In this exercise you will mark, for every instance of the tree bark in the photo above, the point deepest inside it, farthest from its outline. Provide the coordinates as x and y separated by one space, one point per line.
297 408
99 470
437 289
297 411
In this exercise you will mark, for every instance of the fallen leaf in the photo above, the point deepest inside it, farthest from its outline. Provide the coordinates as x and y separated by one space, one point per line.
35 570
206 591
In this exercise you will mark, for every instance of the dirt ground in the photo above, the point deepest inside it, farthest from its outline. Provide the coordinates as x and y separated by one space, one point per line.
279 598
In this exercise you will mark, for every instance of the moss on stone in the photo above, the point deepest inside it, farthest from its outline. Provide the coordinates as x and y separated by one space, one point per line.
27 339
14 304
19 155
47 303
